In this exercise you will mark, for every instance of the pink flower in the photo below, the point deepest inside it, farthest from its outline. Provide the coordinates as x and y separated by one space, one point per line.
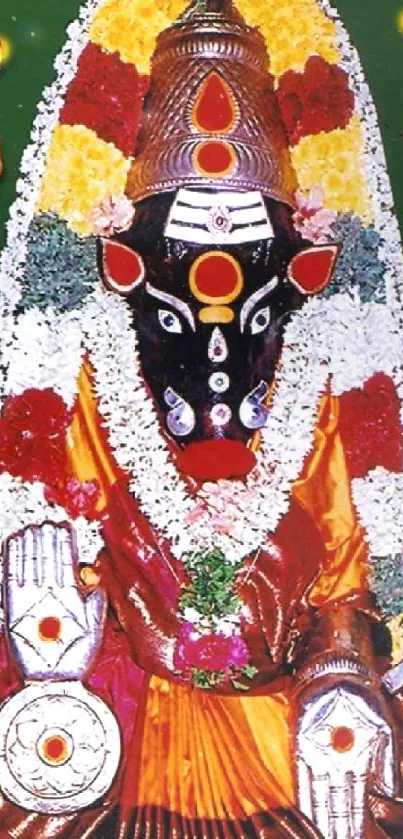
214 652
113 215
311 219
78 498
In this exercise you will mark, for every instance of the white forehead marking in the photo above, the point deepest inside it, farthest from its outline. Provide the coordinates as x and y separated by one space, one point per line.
176 302
194 217
254 298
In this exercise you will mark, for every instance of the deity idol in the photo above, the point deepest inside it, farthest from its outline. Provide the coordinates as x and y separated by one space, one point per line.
191 647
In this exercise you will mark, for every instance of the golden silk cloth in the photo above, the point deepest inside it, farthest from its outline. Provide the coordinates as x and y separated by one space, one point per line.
227 757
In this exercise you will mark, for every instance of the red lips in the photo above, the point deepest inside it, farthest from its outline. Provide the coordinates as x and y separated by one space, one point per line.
211 460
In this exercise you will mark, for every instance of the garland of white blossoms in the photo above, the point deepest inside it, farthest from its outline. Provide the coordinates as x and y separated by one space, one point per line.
325 338
33 163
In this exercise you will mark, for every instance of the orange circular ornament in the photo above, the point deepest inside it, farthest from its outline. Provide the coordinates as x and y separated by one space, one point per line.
215 278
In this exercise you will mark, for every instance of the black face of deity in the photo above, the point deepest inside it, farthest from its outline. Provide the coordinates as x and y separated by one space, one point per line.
210 321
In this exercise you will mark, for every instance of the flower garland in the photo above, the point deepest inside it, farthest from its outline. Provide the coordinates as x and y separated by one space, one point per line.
140 449
13 258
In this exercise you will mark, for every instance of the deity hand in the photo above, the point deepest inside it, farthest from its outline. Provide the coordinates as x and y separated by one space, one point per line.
344 744
54 631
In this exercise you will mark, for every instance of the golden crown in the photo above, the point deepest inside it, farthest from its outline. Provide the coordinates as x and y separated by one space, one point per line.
211 119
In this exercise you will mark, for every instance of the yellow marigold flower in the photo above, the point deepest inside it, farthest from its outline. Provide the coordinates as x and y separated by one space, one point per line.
395 625
81 171
130 27
335 161
293 30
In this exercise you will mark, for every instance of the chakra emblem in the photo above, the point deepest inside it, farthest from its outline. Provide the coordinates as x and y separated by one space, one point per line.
59 747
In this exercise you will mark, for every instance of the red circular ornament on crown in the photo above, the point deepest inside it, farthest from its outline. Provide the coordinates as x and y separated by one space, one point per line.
214 158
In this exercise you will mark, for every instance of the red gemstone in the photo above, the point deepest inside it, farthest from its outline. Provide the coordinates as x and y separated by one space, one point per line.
311 270
216 276
55 748
214 109
50 628
342 739
123 267
214 157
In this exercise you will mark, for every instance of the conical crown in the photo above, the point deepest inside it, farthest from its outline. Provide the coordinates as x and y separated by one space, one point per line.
211 118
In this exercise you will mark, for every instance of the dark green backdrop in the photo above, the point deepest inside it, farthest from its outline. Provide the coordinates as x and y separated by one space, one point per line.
36 29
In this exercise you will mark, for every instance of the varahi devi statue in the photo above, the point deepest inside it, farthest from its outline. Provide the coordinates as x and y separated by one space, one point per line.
192 445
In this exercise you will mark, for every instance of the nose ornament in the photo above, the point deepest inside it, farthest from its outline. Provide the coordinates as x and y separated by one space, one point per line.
217 349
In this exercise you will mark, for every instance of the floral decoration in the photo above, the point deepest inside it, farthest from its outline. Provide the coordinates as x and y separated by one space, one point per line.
293 32
318 99
130 27
335 161
212 660
62 266
370 427
82 170
311 218
359 265
106 95
113 215
32 435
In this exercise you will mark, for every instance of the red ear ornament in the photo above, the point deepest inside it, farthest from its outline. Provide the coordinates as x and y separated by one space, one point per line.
311 270
123 268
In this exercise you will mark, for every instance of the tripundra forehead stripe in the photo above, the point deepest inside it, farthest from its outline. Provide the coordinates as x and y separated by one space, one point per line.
221 218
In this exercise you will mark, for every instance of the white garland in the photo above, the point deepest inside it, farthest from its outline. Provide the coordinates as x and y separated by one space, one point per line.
23 503
386 224
13 258
41 350
327 338
379 501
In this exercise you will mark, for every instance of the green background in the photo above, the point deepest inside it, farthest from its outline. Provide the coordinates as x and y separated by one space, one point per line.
36 29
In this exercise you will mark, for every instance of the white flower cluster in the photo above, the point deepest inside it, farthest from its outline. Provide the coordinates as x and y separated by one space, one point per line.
379 501
12 263
390 249
43 350
23 503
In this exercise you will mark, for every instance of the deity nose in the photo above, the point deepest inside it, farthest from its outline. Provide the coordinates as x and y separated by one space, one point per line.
217 348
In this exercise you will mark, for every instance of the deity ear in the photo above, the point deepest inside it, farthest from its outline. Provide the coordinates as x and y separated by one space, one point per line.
311 270
122 267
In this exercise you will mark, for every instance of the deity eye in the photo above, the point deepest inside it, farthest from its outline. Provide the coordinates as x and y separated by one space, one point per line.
169 321
260 320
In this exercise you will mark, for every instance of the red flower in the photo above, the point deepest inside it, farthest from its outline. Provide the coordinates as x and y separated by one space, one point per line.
370 427
78 499
106 95
318 99
32 435
209 652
